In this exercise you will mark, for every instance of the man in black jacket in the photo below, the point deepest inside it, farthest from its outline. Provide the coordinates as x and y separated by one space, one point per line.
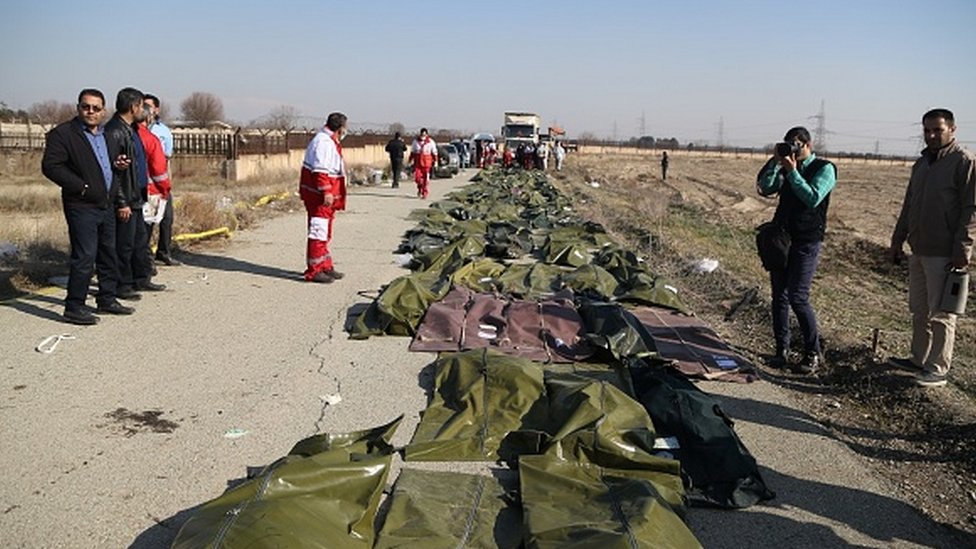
77 159
395 148
132 238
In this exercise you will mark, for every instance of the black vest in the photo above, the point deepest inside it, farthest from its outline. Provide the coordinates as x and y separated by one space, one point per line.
803 223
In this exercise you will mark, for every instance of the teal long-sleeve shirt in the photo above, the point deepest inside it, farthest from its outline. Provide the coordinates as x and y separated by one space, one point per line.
811 193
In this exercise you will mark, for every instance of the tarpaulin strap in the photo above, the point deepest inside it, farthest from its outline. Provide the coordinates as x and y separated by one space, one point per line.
619 511
472 513
677 334
236 511
50 343
484 401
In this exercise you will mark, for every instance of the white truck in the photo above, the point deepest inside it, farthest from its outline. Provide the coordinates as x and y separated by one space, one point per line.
519 128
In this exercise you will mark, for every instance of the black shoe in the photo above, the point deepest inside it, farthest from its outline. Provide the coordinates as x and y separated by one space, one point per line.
811 363
779 361
168 261
150 287
81 317
128 294
396 185
335 274
115 308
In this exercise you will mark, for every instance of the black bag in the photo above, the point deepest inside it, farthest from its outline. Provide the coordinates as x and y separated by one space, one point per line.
717 468
773 244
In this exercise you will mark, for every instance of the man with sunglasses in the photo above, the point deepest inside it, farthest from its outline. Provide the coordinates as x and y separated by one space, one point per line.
77 159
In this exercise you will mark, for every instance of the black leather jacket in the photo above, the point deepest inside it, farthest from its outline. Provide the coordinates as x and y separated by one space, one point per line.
119 136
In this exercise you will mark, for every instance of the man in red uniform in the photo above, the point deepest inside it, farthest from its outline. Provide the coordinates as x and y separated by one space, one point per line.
423 154
323 190
159 186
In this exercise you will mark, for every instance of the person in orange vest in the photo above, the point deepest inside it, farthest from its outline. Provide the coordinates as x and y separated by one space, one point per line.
323 190
423 154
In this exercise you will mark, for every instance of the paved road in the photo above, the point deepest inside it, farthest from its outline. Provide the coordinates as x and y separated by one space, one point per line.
114 438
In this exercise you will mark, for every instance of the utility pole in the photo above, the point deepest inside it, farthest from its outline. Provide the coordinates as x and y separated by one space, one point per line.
643 126
721 131
820 133
877 147
614 131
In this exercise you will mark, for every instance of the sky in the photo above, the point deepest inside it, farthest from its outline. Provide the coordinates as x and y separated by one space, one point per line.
736 72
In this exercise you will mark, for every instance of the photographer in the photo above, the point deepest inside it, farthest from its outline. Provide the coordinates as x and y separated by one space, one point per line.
804 183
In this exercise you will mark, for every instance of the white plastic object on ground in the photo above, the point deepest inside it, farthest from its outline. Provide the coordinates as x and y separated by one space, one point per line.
50 343
331 399
236 432
705 265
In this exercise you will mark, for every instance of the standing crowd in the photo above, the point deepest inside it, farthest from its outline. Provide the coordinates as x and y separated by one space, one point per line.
115 185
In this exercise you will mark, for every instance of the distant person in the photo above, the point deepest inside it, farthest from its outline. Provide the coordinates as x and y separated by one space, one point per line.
508 158
323 190
664 166
528 156
938 220
559 153
76 158
396 148
423 155
164 244
804 183
542 156
132 235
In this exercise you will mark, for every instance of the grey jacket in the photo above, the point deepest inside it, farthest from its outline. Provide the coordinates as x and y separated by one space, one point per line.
938 216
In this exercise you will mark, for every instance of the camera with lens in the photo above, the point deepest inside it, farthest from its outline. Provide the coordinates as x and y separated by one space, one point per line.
788 149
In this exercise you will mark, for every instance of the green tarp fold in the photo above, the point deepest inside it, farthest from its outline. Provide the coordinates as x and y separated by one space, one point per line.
324 494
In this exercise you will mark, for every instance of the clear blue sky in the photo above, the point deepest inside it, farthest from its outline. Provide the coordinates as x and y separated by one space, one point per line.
758 66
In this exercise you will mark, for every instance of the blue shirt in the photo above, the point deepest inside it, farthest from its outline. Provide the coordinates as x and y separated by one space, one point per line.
140 164
97 141
165 136
810 192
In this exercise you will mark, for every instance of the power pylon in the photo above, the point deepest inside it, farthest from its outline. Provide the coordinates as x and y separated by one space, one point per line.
820 132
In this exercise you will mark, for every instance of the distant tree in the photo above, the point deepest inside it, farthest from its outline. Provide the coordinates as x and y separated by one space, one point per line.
587 138
164 110
397 127
50 112
202 109
283 118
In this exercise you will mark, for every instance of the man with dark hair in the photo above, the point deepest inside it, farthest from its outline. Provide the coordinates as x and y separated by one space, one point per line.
132 236
804 183
396 148
323 190
664 166
938 220
77 159
164 244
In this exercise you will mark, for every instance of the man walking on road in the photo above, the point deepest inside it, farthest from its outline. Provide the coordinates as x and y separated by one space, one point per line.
664 166
164 245
323 190
938 219
77 159
396 148
423 154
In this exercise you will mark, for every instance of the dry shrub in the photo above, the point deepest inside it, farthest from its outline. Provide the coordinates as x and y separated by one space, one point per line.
196 212
30 197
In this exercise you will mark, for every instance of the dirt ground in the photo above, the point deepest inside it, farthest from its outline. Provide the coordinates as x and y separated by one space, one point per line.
922 439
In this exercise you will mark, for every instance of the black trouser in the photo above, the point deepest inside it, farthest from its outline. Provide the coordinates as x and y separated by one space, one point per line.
164 244
91 232
396 166
132 245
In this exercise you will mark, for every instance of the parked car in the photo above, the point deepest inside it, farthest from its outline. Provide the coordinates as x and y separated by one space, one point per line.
464 151
448 161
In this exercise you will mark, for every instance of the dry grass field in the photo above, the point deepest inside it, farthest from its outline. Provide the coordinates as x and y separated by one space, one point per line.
924 439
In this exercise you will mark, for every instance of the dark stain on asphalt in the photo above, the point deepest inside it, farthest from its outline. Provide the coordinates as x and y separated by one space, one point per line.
146 421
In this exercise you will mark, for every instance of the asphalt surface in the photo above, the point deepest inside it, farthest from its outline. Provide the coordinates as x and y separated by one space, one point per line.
117 435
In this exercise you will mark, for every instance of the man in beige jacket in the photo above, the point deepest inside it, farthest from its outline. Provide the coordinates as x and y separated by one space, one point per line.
938 219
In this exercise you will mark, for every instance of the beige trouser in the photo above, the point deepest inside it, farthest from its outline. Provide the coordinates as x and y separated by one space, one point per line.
933 332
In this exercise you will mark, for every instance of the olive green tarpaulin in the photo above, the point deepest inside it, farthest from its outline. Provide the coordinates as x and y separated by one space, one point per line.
324 494
442 510
400 306
479 397
584 506
611 327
